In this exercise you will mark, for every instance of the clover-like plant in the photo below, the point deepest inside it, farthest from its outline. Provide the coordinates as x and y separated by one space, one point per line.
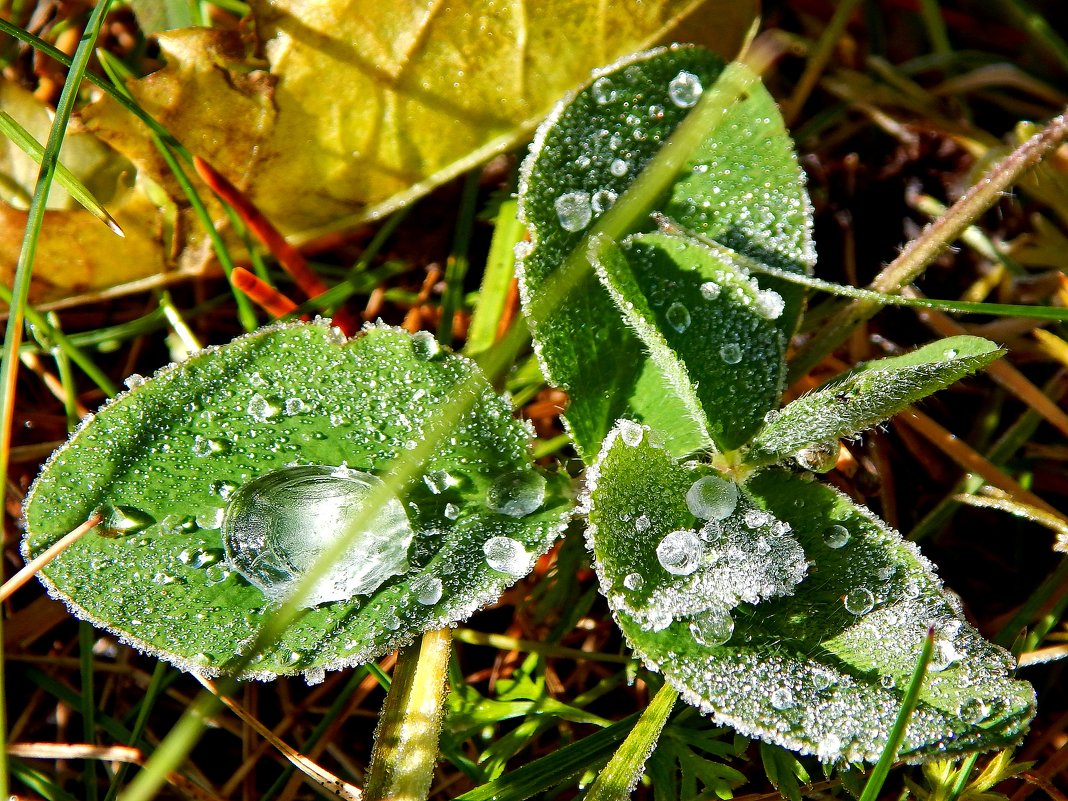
384 486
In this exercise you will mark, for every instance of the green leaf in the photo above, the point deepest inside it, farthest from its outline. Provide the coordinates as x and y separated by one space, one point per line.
867 395
710 330
161 460
741 185
819 665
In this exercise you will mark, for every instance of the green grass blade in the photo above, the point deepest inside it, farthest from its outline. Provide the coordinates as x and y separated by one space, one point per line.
155 686
10 127
897 734
500 268
20 289
623 772
86 638
456 267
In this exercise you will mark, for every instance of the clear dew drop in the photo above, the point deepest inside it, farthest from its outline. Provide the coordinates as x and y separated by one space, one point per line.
712 498
294 406
945 655
731 353
261 409
631 433
710 290
886 572
642 523
427 590
888 682
633 581
680 552
124 519
602 201
425 347
618 168
573 210
277 526
819 458
859 601
133 381
756 518
315 675
507 555
678 317
685 89
781 699
951 353
516 494
602 91
438 481
712 627
836 536
451 511
770 304
972 711
204 446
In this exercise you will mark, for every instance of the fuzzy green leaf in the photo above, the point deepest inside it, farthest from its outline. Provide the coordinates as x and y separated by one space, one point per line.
868 395
741 186
710 330
818 663
162 459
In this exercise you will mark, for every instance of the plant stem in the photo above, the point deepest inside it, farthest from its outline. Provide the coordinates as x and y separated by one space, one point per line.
622 773
406 742
935 238
20 288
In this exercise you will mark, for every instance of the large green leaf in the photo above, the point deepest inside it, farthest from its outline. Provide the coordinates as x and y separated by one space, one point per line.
162 460
818 665
710 330
869 394
741 186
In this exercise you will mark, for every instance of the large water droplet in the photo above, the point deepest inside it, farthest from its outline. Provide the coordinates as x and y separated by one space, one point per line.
685 89
781 698
261 409
634 581
712 498
574 211
507 555
836 536
438 481
618 168
680 552
516 494
819 458
712 627
425 347
277 526
859 601
631 433
769 304
602 201
678 317
731 353
124 519
710 290
427 590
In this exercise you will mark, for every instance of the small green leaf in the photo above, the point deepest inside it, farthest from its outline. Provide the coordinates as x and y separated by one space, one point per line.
710 330
817 664
179 456
867 395
741 186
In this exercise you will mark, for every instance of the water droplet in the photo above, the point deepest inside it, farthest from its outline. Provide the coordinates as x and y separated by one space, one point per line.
712 498
261 409
523 249
573 210
731 353
427 590
755 518
425 347
886 572
516 494
203 446
712 627
859 601
710 290
952 353
451 511
507 556
769 304
437 481
618 168
602 201
224 489
631 433
210 519
602 91
634 581
641 524
888 682
680 552
685 89
781 698
133 381
836 536
945 654
124 519
278 525
294 406
315 675
678 317
972 711
819 458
